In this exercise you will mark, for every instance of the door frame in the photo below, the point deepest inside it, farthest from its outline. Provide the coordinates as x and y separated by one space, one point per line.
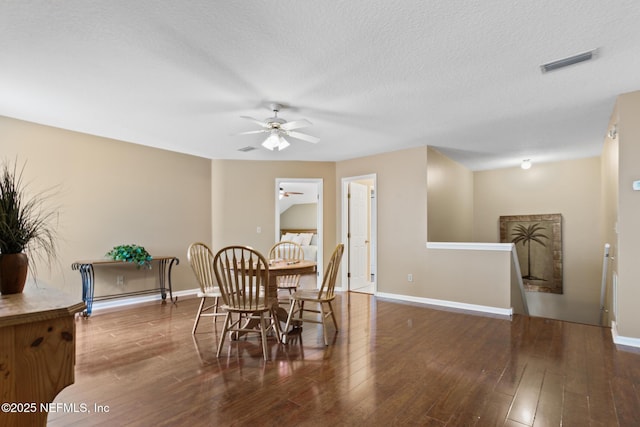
345 229
319 221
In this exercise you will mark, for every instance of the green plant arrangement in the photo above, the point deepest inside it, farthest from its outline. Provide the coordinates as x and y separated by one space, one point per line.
131 253
27 227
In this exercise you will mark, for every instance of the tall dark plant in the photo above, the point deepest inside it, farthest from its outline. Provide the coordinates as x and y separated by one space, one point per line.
26 225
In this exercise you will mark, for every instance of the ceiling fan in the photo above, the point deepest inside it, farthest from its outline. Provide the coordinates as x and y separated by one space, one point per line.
288 193
278 128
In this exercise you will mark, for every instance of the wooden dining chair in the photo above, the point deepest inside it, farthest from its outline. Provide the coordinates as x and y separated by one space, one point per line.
289 251
243 276
200 258
320 298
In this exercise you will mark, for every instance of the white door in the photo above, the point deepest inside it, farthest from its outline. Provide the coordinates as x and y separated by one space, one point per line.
358 234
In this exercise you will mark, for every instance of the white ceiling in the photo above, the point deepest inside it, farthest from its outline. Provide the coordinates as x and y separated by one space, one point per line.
373 76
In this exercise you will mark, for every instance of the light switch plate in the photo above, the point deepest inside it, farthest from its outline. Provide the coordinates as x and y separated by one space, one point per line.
636 185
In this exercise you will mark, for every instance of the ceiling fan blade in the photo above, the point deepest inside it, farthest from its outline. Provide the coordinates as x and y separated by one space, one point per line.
296 124
252 131
303 136
260 122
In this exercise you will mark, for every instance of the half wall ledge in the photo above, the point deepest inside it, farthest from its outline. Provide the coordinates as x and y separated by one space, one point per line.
510 284
470 246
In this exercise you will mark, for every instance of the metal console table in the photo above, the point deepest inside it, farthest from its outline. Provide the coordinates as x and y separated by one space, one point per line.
165 264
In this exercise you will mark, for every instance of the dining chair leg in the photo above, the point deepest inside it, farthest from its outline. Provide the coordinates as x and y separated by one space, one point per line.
323 317
195 324
333 316
276 324
225 328
292 309
263 333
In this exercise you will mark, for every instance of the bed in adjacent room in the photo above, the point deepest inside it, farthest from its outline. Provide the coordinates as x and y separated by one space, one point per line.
306 237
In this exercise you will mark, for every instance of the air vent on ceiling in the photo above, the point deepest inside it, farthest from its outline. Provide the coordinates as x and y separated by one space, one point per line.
247 148
571 60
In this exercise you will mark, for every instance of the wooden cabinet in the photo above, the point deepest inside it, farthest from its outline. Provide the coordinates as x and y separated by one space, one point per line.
37 353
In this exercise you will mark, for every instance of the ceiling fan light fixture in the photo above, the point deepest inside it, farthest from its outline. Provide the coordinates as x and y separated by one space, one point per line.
277 128
283 144
275 141
526 164
271 142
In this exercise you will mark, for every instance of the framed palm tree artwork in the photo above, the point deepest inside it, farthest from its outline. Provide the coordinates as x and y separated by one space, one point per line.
538 242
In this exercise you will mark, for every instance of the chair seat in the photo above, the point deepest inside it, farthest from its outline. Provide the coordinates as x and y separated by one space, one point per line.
311 295
214 294
246 310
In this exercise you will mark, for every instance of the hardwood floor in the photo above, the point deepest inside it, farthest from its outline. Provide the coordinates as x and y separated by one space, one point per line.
390 364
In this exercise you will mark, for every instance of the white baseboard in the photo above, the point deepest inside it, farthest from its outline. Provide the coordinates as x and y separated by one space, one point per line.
123 302
449 304
617 339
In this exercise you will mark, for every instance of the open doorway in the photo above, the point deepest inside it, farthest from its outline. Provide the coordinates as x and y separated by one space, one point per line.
359 217
299 211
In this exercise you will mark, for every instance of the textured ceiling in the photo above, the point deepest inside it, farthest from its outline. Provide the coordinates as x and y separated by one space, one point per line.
372 76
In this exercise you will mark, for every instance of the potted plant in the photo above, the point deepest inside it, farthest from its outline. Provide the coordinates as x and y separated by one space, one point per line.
26 228
131 253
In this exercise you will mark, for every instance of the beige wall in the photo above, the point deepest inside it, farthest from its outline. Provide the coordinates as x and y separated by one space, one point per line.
449 199
243 198
628 254
571 188
110 193
301 216
401 199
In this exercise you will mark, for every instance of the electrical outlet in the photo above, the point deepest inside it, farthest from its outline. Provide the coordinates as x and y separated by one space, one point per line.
410 277
120 280
258 229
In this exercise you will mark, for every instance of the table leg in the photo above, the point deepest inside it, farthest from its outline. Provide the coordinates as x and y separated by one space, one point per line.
281 314
164 276
88 281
